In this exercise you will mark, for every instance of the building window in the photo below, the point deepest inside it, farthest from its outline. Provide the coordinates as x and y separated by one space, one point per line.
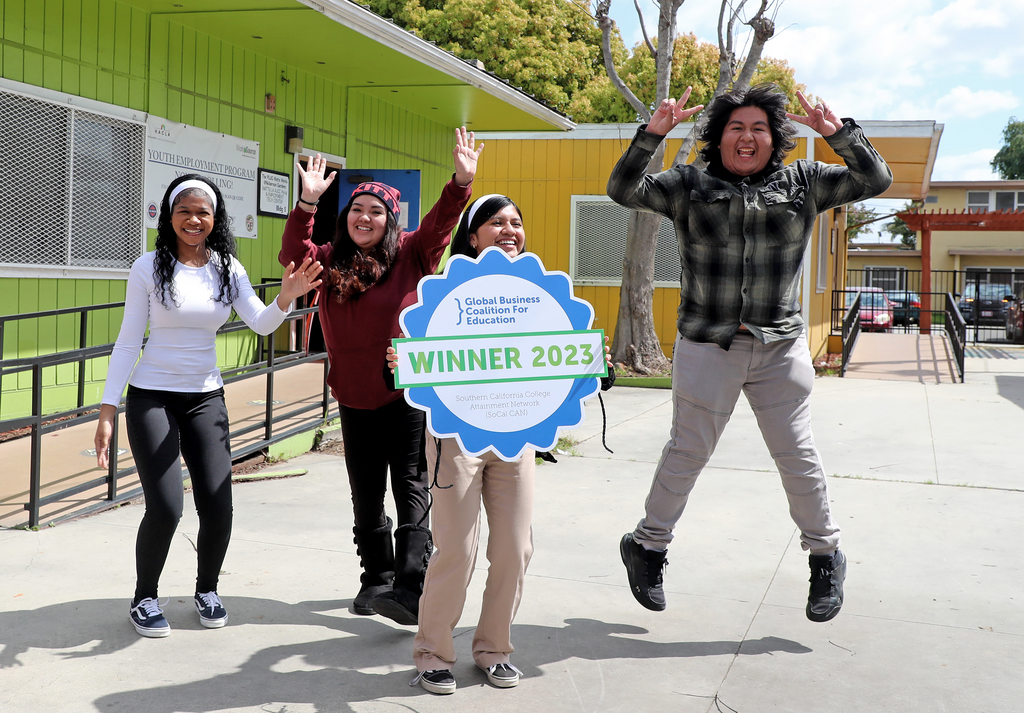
886 277
981 201
598 228
84 211
824 236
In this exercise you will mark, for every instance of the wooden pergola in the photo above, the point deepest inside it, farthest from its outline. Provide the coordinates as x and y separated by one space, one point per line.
925 223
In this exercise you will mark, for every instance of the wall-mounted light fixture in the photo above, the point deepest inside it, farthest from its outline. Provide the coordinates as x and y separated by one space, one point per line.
293 139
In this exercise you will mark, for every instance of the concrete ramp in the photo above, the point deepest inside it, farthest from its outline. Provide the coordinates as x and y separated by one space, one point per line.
924 358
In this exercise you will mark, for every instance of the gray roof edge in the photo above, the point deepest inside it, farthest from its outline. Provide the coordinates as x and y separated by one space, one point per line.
372 25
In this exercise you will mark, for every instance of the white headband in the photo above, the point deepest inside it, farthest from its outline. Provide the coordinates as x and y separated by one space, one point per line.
185 185
479 202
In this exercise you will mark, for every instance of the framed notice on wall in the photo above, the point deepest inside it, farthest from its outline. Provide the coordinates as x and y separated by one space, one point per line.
274 197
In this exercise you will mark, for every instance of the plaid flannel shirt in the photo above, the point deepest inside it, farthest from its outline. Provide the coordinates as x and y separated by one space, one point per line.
742 244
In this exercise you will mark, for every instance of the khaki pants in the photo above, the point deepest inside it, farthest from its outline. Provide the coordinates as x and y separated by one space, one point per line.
706 383
506 490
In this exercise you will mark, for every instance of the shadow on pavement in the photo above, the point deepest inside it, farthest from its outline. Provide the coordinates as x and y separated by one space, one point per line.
328 673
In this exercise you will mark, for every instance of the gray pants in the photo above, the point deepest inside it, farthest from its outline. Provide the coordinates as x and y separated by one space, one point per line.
706 383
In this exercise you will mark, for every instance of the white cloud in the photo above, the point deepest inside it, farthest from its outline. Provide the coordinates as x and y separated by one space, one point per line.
973 166
961 102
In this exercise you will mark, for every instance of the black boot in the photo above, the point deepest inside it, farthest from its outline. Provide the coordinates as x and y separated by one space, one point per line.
377 558
413 547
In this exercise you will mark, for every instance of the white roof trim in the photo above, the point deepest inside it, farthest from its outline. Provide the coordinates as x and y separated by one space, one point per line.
388 34
872 129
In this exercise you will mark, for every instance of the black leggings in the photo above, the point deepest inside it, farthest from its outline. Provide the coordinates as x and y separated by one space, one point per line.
161 426
376 439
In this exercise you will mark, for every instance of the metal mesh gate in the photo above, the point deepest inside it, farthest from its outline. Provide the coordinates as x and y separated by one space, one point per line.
600 241
71 186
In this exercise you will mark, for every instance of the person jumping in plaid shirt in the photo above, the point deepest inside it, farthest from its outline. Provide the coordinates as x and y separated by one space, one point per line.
743 224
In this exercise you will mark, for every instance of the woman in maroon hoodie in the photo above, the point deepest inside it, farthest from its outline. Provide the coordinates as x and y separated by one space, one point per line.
371 270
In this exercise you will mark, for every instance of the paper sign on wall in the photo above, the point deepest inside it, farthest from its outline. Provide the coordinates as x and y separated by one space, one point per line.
174 149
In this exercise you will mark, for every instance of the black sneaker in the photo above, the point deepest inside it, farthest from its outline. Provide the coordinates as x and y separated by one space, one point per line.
148 619
826 596
211 610
503 675
440 681
645 568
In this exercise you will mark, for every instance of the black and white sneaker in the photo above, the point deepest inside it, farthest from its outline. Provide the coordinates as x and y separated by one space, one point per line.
211 610
825 599
503 675
148 618
645 569
440 681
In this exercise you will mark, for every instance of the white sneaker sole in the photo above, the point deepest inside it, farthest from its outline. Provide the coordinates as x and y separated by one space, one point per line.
212 623
151 633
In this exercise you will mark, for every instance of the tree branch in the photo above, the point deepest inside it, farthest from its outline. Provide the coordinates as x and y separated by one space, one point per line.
607 24
643 29
764 30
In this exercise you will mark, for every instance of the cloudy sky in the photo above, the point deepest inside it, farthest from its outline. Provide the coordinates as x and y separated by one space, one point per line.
959 62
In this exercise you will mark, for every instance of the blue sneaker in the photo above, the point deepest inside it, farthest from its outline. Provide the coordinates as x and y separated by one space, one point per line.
148 619
211 610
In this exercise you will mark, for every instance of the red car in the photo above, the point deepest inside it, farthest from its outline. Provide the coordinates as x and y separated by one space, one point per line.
876 312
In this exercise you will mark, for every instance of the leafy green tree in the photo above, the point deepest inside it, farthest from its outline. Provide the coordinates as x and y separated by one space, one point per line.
1009 160
897 229
549 48
858 217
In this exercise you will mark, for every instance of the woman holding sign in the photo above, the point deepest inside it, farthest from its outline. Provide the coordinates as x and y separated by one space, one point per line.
371 272
462 483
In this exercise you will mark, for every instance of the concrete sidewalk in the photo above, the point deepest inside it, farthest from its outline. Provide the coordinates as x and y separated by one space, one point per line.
926 485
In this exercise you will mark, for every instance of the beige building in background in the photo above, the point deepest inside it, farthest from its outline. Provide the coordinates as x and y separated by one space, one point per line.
997 254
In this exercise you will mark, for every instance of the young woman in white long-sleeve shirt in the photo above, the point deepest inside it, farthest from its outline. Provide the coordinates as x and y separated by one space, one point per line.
184 291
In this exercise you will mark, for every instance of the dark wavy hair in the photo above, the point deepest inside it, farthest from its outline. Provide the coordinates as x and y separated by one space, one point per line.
353 272
767 97
486 211
219 242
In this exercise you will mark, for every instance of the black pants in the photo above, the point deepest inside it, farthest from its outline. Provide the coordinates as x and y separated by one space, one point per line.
391 436
162 426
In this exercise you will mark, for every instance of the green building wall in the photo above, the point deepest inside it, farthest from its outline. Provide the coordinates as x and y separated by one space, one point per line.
118 54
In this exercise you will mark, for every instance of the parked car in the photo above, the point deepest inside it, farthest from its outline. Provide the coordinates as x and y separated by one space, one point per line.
986 302
1015 318
906 307
876 310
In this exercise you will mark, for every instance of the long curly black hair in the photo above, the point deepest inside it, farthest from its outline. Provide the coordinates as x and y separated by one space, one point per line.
767 97
487 210
352 272
219 242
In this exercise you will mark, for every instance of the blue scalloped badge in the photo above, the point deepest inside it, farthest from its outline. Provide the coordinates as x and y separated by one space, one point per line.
499 353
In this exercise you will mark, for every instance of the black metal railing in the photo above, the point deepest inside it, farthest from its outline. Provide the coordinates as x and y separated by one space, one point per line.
267 363
956 332
850 328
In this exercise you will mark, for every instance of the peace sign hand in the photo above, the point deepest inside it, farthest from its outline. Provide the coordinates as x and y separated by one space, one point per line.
670 113
465 156
313 182
819 117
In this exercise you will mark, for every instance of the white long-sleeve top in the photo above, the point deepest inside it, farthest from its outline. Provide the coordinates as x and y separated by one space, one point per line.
181 354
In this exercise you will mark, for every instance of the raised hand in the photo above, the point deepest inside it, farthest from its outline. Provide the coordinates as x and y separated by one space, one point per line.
819 117
465 155
670 113
313 181
297 281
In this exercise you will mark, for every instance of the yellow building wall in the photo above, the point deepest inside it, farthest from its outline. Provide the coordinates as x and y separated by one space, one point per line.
542 174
